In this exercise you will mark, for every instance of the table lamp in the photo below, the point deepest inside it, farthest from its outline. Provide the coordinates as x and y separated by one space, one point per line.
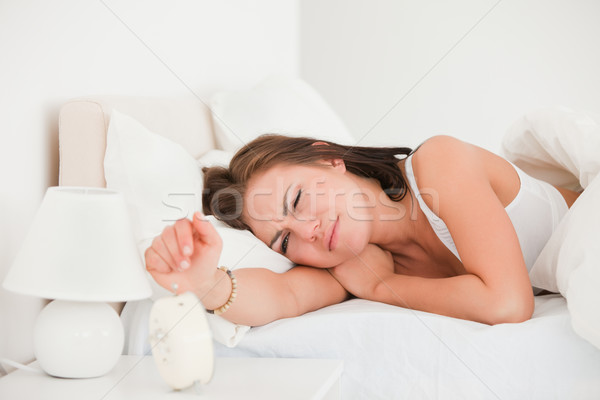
80 251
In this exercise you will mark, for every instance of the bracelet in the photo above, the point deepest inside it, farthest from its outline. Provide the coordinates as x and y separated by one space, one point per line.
232 296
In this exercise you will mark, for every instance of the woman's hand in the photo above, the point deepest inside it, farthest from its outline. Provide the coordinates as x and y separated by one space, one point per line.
362 274
263 296
186 254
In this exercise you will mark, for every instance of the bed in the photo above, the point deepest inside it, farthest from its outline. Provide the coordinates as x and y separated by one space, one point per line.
137 145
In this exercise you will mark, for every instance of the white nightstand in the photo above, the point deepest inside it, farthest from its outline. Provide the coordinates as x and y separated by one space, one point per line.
136 377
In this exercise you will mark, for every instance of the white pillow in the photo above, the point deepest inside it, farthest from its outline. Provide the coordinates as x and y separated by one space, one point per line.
279 104
562 146
215 158
159 178
162 183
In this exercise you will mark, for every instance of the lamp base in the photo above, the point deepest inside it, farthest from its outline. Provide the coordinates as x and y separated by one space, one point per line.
78 339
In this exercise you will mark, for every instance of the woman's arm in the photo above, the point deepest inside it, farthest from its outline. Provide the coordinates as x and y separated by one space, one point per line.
371 276
262 295
464 296
496 288
265 296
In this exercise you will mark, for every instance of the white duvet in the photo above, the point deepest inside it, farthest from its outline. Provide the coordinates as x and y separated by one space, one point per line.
562 146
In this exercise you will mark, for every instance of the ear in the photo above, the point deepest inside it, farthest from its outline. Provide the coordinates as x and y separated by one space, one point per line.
337 163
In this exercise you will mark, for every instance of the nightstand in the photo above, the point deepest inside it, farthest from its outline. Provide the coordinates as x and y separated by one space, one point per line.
136 377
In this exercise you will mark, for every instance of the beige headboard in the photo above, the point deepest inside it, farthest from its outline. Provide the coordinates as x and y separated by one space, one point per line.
83 124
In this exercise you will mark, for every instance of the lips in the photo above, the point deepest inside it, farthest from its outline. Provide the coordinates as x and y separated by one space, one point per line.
332 235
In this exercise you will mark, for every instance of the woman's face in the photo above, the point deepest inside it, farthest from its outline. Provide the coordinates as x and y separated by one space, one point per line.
314 215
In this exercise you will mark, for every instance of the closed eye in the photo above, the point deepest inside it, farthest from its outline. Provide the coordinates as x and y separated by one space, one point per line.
297 199
284 243
286 238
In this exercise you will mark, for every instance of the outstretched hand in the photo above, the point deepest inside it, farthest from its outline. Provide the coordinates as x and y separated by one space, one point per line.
186 254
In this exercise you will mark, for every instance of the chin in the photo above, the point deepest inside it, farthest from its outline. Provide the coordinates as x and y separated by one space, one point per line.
353 246
347 252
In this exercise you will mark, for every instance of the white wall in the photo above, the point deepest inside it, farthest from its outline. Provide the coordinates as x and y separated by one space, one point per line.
364 56
52 51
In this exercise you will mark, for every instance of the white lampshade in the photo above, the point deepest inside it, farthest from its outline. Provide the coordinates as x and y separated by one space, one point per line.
80 247
80 251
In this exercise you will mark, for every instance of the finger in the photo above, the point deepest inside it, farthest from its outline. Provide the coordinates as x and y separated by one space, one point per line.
185 239
154 262
159 247
204 231
169 239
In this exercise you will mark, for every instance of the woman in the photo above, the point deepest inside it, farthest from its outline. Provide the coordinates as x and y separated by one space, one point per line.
450 229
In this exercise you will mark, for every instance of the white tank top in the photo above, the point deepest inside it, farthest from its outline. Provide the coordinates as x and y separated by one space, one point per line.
535 213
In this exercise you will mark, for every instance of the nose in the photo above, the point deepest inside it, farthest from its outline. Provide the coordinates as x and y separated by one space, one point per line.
306 229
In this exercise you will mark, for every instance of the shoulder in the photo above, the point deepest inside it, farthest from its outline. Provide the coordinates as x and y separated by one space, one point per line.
450 171
442 149
441 157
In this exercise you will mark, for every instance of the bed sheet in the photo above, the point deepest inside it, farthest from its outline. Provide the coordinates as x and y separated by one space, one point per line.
395 353
391 352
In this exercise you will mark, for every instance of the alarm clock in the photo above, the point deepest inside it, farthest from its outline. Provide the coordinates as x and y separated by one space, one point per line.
181 341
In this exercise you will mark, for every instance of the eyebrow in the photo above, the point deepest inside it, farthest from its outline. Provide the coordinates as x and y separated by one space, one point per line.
285 213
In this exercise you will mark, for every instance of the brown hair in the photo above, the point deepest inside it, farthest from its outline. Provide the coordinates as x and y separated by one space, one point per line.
224 188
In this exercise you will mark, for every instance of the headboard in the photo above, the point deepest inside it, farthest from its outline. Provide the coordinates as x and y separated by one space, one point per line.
83 124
